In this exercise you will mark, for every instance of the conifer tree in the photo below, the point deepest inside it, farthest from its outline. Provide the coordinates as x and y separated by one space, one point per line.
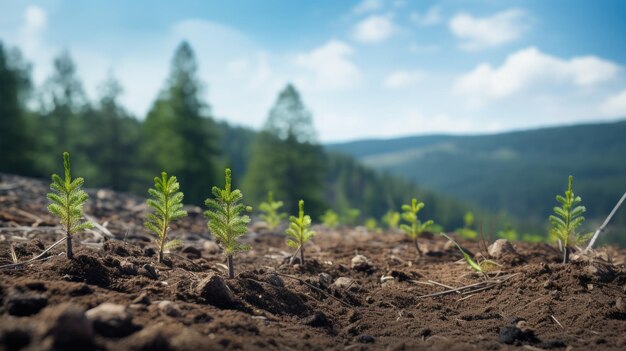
226 220
67 201
166 203
415 227
298 232
567 219
286 156
179 132
270 209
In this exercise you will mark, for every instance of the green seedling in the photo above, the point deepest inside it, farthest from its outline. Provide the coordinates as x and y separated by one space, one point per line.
67 201
415 226
298 232
481 267
391 219
372 224
166 203
270 214
468 231
226 220
330 219
567 219
350 216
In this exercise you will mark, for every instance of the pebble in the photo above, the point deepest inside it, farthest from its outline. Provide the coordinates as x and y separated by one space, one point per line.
142 299
343 283
500 248
128 268
360 263
149 271
215 292
325 280
275 280
318 320
366 339
169 308
111 320
211 247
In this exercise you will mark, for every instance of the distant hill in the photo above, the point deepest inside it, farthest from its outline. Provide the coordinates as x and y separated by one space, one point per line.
517 172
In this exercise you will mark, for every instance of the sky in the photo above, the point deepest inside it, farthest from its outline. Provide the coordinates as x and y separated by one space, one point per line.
369 68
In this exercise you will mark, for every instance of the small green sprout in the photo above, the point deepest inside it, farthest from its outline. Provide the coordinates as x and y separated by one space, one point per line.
391 219
350 216
372 224
226 221
270 214
67 201
330 219
416 227
481 267
298 232
467 232
568 217
167 206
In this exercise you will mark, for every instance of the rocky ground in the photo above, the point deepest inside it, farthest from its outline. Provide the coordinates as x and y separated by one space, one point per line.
358 290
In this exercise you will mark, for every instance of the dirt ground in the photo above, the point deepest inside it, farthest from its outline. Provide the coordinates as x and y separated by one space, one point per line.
114 296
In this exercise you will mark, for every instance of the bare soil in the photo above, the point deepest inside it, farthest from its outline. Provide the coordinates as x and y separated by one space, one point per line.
188 304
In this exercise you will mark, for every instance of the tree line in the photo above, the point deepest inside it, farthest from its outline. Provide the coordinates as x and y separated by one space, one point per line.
112 148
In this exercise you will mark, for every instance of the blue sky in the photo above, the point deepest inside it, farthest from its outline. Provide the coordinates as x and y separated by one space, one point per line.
369 68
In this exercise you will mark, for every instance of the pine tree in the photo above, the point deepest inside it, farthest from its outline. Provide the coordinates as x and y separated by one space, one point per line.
567 219
286 157
298 232
270 209
226 220
416 227
67 201
166 203
179 134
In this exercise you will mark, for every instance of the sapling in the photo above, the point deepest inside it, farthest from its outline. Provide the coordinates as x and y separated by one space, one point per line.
226 220
330 218
567 219
415 227
298 232
67 204
270 214
167 206
391 219
480 267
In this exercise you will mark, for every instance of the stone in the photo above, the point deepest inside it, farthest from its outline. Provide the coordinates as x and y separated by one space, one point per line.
169 308
142 299
318 320
500 248
275 280
111 320
366 339
68 327
360 263
149 271
128 268
343 283
25 304
214 291
325 280
211 247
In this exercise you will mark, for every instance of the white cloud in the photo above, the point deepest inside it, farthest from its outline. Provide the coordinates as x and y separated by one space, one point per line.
530 69
480 33
374 29
367 6
430 18
403 79
615 106
329 66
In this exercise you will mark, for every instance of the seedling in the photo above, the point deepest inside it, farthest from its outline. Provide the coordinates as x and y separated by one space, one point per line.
67 201
567 218
391 219
481 267
350 216
467 232
270 214
372 224
167 206
330 218
226 221
298 232
415 227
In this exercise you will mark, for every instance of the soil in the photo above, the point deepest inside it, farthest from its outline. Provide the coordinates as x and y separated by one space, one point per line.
187 303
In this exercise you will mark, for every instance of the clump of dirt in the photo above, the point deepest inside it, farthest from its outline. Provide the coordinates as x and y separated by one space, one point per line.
357 290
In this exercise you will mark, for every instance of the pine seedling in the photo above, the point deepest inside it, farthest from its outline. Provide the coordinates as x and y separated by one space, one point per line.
167 206
298 232
330 219
270 214
481 267
391 219
67 201
415 226
226 221
567 219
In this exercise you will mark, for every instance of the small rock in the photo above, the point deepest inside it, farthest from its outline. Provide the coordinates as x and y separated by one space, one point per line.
318 320
149 271
169 308
211 247
25 304
275 280
128 268
192 252
344 283
360 263
68 327
513 335
142 299
325 280
111 320
500 248
369 299
214 291
366 339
